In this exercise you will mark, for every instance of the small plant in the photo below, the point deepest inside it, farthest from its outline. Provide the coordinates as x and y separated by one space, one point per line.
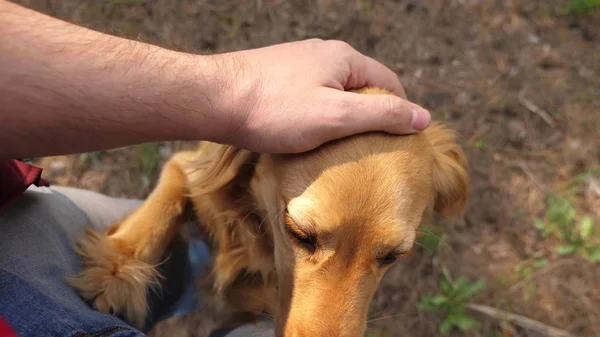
559 215
581 6
428 239
150 157
452 303
579 241
524 271
577 236
95 158
480 144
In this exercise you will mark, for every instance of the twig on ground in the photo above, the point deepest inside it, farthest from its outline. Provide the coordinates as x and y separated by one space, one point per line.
479 133
525 168
522 321
529 174
529 105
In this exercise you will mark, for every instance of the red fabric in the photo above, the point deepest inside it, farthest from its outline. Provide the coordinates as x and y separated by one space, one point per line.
6 330
15 177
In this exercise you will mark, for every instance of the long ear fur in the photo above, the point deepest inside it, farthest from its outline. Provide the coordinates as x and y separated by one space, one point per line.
218 166
449 172
220 188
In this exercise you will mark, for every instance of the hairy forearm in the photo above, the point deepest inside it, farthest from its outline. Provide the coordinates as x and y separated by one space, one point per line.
67 89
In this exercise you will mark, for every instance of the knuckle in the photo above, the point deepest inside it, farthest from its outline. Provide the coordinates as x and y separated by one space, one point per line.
397 112
315 40
339 112
345 106
391 109
340 46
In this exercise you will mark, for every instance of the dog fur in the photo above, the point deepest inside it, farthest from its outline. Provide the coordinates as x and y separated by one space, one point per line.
304 237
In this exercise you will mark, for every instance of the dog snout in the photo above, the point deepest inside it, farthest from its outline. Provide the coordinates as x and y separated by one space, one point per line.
320 326
306 330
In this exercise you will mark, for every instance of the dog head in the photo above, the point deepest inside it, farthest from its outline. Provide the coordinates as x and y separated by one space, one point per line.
340 216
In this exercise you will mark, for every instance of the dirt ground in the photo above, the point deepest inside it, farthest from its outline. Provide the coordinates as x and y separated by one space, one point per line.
520 81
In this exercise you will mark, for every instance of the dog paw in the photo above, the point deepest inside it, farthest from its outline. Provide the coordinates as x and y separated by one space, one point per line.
112 279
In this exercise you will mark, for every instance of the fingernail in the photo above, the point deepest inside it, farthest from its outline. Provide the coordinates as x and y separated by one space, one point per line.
420 119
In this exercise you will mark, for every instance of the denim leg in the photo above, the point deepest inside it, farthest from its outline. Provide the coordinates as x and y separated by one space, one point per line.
184 264
38 233
38 230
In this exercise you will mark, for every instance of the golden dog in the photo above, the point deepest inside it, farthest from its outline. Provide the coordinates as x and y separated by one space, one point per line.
305 238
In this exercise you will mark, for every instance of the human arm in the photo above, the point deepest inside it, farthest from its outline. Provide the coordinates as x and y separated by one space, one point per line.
67 89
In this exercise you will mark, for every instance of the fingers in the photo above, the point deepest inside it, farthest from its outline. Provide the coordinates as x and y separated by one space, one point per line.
366 71
389 113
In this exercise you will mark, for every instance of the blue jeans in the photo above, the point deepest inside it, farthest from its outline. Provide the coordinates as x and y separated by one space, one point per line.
37 232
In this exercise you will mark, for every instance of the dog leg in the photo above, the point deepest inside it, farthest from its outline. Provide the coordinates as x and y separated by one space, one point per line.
119 265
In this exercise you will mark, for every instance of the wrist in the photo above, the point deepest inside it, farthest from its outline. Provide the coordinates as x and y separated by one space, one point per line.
180 96
230 87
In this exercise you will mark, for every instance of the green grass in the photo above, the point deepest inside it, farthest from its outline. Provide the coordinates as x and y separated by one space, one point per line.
149 155
581 7
451 303
480 144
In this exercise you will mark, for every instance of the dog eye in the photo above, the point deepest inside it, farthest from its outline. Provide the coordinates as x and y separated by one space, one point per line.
304 236
306 241
389 258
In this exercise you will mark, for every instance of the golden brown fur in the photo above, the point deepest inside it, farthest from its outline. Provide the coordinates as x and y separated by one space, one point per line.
304 237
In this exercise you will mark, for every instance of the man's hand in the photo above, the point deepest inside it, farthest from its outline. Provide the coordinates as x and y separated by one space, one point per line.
292 96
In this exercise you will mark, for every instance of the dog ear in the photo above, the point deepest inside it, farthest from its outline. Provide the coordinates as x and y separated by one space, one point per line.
220 166
449 172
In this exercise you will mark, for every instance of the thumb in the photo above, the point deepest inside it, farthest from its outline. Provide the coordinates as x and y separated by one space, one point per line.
380 112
